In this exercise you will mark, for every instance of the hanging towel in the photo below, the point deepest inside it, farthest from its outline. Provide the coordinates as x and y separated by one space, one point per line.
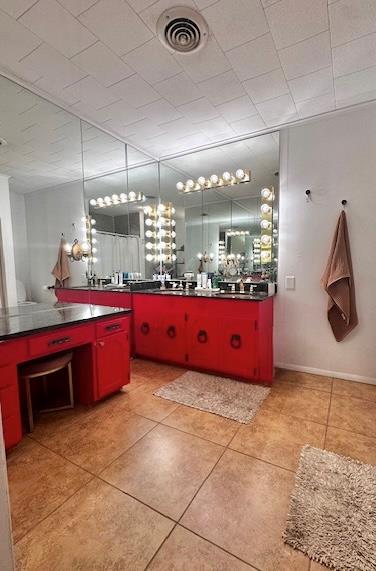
338 281
61 269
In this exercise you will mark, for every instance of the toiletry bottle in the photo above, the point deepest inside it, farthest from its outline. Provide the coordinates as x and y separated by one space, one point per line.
241 286
199 281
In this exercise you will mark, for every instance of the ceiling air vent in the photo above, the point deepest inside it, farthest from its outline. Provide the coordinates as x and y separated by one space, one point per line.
182 30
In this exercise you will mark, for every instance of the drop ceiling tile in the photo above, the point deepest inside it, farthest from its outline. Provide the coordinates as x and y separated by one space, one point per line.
316 106
354 56
248 125
180 128
199 110
151 14
202 4
139 5
306 56
205 63
350 20
76 7
103 64
119 112
312 85
135 91
222 88
254 58
56 26
237 109
52 86
179 89
52 65
351 87
291 21
153 62
278 110
15 8
117 25
144 128
15 40
89 91
267 86
218 128
160 111
234 23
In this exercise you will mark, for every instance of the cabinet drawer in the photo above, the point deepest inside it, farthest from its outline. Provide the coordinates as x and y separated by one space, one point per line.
9 401
60 339
111 326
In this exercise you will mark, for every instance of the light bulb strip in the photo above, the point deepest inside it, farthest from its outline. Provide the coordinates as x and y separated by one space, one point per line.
160 233
263 249
214 181
115 199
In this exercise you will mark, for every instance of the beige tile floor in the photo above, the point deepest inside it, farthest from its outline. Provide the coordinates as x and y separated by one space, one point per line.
138 482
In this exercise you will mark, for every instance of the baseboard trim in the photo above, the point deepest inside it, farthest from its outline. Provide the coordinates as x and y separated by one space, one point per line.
326 373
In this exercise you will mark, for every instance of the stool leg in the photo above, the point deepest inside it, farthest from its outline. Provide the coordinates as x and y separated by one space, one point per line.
70 380
29 404
44 380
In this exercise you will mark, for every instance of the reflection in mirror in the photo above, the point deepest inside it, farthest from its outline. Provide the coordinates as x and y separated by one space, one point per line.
41 164
226 224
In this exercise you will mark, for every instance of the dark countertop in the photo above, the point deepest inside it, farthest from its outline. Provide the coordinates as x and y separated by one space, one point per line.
256 296
26 320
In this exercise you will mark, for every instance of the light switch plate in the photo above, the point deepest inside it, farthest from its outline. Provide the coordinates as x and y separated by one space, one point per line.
289 282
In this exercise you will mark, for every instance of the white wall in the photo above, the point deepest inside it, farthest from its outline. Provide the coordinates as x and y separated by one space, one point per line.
7 242
49 213
21 250
334 157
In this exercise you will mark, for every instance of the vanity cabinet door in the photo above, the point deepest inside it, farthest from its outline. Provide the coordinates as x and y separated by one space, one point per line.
146 325
173 341
238 355
10 406
203 342
112 363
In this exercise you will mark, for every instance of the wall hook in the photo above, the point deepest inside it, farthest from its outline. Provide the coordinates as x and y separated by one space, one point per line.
343 202
308 194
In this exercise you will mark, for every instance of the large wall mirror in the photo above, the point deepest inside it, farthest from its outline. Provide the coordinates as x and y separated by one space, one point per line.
214 210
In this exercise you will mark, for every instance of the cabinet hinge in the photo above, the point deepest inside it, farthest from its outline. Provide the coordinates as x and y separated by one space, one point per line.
186 357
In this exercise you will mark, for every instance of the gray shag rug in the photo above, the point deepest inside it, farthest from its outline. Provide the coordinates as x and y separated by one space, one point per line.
232 399
332 515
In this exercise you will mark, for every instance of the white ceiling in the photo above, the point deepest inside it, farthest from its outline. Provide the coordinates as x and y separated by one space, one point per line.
267 62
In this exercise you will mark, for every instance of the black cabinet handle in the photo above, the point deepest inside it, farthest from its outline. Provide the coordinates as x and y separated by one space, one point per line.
145 328
113 327
59 341
171 331
202 336
236 341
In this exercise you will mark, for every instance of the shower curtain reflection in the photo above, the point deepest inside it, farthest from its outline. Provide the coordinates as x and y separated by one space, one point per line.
118 252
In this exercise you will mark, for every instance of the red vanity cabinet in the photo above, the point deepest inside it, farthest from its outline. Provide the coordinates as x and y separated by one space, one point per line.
112 358
10 353
147 314
172 331
73 295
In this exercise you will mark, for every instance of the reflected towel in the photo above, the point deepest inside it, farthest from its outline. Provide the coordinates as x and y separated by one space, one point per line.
338 282
61 269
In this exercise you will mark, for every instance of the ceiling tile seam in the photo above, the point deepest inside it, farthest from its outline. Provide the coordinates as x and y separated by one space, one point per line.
355 71
27 10
354 39
32 51
280 63
311 72
331 54
86 9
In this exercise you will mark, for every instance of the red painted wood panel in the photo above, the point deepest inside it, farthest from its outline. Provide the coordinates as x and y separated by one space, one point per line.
112 363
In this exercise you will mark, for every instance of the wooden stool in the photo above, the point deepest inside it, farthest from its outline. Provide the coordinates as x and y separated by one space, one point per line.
40 369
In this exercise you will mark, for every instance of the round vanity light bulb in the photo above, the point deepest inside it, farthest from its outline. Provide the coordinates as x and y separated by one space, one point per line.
132 195
162 245
149 234
173 223
115 197
94 240
265 239
201 180
240 174
148 222
93 202
94 250
94 260
85 247
93 222
190 183
173 246
265 193
161 207
265 208
68 247
93 231
123 197
238 256
199 255
214 179
180 185
173 234
173 257
107 200
148 245
148 210
173 210
100 200
265 224
226 176
149 257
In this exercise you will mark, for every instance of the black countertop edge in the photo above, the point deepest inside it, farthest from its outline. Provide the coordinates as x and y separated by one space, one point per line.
203 295
26 327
